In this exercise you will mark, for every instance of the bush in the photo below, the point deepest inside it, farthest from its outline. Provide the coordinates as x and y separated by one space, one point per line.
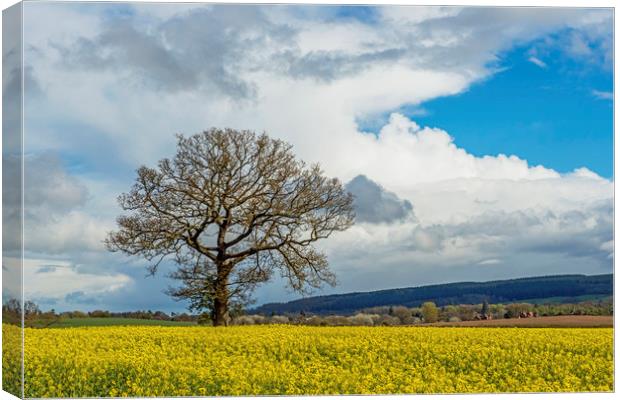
380 310
448 312
279 319
182 317
99 314
361 320
466 312
513 310
416 312
430 312
315 321
401 313
336 320
410 320
74 314
258 319
243 320
497 310
388 320
205 319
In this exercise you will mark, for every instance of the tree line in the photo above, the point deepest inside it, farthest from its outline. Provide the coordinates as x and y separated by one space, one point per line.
497 292
428 312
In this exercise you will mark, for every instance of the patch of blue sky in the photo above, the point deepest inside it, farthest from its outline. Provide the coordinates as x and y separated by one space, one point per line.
87 151
364 14
119 11
108 11
553 110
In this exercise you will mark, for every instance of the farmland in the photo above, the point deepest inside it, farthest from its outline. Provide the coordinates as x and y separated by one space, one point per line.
75 322
559 321
293 360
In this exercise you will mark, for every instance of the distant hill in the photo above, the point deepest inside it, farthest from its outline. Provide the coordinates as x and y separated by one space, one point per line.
511 290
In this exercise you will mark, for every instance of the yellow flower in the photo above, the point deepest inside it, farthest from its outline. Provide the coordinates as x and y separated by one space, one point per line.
295 360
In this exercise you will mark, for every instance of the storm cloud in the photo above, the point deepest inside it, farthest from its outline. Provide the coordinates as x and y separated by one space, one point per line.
374 204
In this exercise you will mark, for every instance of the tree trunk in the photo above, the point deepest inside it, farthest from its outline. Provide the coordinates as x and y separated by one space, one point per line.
220 312
220 302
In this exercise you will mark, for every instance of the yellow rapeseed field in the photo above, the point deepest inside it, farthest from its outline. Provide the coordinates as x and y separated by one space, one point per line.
268 360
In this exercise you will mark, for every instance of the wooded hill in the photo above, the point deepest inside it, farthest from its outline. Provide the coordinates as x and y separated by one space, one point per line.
557 288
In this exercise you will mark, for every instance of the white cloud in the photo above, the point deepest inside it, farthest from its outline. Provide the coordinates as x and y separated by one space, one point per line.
443 51
56 219
537 61
76 231
527 242
51 279
417 14
490 261
310 91
403 154
608 247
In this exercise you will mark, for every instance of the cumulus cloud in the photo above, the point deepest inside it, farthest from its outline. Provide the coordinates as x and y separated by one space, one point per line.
579 233
374 204
204 49
55 219
475 212
48 188
410 155
521 243
306 78
214 47
51 199
266 53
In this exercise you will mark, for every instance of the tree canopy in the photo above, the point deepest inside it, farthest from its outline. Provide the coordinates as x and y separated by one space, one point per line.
232 208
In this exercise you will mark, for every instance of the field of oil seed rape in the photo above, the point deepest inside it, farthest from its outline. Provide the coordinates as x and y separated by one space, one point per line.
267 360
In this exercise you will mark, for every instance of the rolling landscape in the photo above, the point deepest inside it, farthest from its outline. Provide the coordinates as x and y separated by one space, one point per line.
541 290
210 199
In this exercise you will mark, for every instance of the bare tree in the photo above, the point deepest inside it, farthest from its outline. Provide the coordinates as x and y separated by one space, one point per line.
231 208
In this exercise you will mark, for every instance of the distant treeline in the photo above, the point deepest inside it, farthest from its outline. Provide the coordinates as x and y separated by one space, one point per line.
34 317
564 287
152 315
542 296
428 312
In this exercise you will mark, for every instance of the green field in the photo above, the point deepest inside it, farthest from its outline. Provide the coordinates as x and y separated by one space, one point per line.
90 321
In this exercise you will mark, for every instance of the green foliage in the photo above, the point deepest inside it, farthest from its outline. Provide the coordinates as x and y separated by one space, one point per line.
485 308
99 314
430 312
112 321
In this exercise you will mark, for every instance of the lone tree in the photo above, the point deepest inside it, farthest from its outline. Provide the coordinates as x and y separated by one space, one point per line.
231 208
485 308
430 312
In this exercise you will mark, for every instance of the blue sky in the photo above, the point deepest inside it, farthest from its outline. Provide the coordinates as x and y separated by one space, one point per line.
557 115
418 106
